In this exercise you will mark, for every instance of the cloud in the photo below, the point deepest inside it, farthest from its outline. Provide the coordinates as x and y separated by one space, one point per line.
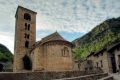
7 40
65 16
75 15
40 34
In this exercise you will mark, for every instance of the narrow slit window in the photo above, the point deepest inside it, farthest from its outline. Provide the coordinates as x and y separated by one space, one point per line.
28 36
25 26
65 52
28 26
26 44
25 35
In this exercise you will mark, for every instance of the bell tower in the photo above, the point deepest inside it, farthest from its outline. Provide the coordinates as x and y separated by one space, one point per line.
25 35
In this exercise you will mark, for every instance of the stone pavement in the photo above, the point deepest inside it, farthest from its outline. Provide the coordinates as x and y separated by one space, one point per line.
72 75
116 76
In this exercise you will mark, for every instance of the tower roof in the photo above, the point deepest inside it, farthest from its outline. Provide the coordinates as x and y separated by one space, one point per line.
20 7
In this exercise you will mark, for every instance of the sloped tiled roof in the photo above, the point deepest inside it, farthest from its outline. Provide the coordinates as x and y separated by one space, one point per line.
112 47
92 53
100 51
52 37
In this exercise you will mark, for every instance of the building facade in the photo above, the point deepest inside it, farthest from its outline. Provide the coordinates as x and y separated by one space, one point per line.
114 53
107 60
52 53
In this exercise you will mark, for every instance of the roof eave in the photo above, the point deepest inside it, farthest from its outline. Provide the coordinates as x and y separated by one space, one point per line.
25 9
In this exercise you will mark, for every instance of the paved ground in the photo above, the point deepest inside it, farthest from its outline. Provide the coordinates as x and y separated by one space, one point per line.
116 76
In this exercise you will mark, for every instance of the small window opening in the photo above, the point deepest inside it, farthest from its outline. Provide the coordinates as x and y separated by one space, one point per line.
28 36
25 26
26 44
101 63
65 52
28 26
27 16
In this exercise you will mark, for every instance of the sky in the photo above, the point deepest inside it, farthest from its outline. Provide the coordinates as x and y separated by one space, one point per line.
71 18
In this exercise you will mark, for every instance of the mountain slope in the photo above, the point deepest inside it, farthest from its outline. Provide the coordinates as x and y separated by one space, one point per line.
5 54
103 35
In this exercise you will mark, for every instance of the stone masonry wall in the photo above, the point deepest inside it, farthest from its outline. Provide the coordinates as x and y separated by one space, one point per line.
49 57
43 75
20 31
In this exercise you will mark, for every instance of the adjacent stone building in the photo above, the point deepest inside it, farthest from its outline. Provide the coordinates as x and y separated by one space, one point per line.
114 55
107 60
100 60
52 53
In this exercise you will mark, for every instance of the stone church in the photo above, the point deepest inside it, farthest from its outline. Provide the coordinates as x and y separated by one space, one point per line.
51 53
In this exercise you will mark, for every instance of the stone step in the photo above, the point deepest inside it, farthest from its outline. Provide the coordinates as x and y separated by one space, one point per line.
107 78
116 76
86 77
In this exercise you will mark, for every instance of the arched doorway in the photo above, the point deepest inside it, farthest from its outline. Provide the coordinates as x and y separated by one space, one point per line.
1 67
27 63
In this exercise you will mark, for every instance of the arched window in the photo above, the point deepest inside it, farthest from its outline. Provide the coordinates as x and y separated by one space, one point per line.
65 52
27 16
26 44
28 26
26 36
25 26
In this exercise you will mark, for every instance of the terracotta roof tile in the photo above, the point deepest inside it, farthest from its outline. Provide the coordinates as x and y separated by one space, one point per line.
54 36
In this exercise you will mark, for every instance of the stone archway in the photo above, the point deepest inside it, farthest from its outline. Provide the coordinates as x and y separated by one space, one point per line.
1 67
27 63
